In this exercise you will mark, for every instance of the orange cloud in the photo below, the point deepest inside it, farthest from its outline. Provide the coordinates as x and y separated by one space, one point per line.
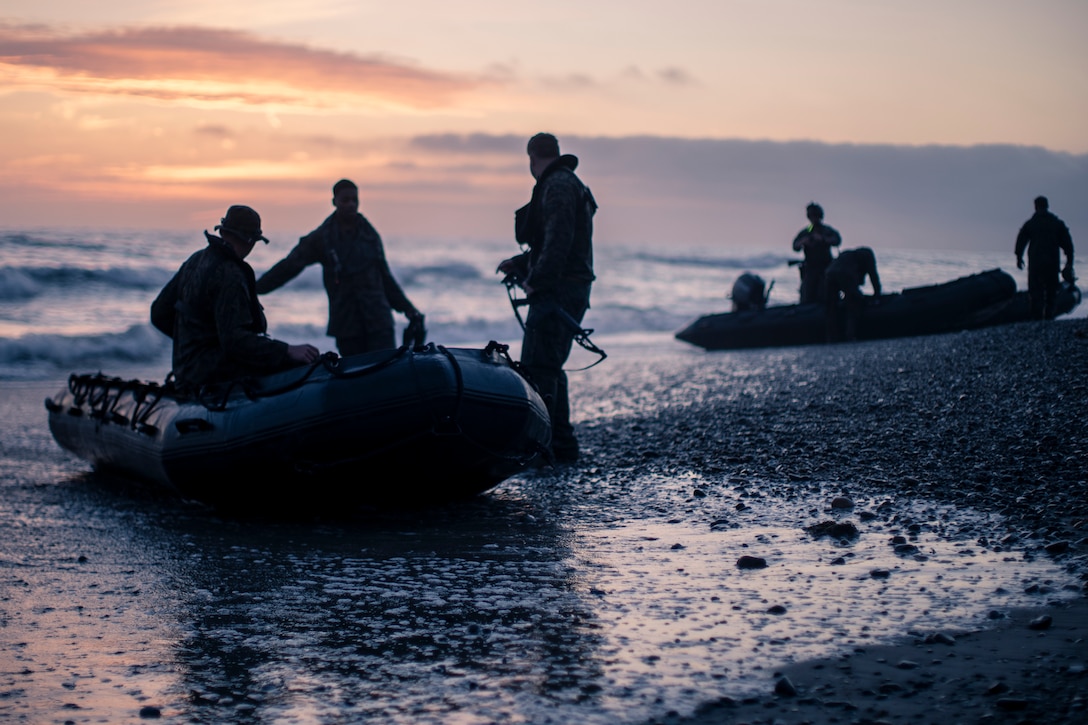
210 65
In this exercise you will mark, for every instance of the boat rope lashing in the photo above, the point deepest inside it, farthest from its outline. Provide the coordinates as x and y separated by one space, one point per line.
152 394
580 334
335 369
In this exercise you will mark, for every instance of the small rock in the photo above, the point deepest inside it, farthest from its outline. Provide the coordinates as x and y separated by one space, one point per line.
940 638
751 562
150 711
841 502
674 547
834 529
1042 622
777 609
907 665
1058 547
784 687
880 573
1012 703
708 708
998 688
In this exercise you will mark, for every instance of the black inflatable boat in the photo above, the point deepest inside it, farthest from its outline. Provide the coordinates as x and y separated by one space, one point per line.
978 300
414 425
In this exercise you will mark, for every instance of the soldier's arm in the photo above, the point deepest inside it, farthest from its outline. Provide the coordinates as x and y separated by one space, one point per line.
163 312
306 252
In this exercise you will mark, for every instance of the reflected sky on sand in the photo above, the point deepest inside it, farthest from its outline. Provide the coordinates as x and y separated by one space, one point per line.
542 602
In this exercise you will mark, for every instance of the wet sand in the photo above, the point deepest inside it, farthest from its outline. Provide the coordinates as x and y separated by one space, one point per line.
918 504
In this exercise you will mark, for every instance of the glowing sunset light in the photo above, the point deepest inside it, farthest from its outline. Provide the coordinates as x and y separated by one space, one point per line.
705 117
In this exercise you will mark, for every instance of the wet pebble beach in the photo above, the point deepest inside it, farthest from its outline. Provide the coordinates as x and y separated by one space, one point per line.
891 531
973 441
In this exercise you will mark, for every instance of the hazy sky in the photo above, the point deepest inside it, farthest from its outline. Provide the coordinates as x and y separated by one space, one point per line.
163 112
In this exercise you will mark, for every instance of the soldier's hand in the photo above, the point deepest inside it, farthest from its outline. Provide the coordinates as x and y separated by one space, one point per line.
1067 275
1019 262
304 354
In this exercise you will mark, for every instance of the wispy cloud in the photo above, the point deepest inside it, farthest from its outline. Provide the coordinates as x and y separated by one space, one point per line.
214 65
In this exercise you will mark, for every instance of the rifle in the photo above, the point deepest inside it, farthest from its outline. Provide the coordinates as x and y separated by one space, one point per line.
581 334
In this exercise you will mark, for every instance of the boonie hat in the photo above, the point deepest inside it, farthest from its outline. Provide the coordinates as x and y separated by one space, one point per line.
244 222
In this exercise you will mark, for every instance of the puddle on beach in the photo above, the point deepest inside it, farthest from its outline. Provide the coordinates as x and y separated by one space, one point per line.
516 607
680 622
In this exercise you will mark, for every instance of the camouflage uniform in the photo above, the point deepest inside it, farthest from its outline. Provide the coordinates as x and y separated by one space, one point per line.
361 288
821 238
1043 236
211 312
557 226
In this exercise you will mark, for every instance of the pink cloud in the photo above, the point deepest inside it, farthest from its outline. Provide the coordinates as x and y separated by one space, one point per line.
233 60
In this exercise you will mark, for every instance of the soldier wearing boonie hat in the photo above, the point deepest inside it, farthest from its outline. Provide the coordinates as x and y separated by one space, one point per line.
243 222
210 310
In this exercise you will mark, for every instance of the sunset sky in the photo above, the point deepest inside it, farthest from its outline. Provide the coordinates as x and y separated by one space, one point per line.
160 113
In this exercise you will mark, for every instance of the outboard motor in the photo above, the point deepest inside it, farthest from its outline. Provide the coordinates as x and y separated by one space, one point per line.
749 293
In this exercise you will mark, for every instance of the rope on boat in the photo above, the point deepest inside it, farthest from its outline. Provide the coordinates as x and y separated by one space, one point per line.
103 394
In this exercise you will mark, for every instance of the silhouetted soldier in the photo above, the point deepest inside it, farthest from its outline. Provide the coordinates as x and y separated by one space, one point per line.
844 278
361 289
210 310
556 274
816 240
1044 235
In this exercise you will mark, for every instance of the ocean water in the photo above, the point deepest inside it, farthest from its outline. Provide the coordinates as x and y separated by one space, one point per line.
78 300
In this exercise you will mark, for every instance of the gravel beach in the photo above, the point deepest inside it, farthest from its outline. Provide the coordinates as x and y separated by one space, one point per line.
989 419
892 531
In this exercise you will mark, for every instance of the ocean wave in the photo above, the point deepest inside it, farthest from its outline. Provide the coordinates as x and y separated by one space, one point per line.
34 356
458 271
25 282
17 284
34 241
407 275
755 261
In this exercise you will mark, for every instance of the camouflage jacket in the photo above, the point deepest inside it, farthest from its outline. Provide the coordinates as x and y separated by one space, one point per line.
361 288
211 312
1043 235
817 241
557 227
